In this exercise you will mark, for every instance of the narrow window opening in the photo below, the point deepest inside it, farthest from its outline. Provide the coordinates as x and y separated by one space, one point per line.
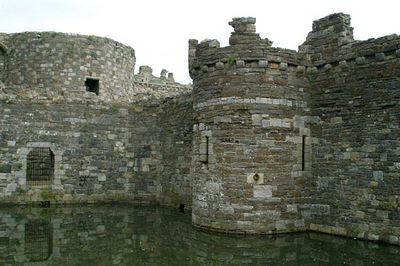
204 149
207 147
2 59
182 208
40 167
92 85
303 153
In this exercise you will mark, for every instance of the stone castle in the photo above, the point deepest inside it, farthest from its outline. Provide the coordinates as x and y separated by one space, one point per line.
268 140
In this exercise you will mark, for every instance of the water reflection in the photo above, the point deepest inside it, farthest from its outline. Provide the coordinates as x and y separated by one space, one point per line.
126 235
38 240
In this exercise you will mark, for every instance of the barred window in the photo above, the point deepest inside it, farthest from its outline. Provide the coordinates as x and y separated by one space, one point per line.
40 167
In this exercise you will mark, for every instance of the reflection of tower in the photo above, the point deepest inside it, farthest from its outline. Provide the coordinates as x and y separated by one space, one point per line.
250 157
38 240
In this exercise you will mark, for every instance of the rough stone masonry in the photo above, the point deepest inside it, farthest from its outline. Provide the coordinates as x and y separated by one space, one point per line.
268 140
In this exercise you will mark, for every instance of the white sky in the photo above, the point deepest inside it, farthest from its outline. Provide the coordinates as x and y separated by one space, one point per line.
159 30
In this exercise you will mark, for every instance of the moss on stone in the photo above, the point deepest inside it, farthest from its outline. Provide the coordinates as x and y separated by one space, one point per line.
47 194
20 191
5 168
136 108
231 60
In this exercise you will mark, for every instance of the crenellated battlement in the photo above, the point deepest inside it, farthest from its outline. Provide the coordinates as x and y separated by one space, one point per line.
56 67
290 140
247 53
268 140
328 45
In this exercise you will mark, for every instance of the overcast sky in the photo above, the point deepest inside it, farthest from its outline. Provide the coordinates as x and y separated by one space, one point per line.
159 30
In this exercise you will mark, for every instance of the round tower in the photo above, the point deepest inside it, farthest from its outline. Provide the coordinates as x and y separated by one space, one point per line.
251 144
55 63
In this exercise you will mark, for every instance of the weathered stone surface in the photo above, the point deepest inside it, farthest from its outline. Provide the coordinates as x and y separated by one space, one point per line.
319 126
128 143
270 140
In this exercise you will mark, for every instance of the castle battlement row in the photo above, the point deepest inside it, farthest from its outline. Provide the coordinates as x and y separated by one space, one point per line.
267 140
66 66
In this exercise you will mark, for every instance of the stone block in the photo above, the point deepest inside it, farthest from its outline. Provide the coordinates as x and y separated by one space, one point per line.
263 191
373 237
283 66
262 63
299 223
213 187
378 175
11 187
101 177
240 63
256 119
244 223
360 60
360 214
380 56
336 120
300 69
111 136
281 225
299 122
222 119
273 65
226 209
219 65
382 214
11 143
291 208
343 64
327 67
394 240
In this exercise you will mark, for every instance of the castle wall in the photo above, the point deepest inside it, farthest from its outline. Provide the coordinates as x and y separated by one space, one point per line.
119 145
270 140
356 158
102 152
176 133
250 166
57 63
287 141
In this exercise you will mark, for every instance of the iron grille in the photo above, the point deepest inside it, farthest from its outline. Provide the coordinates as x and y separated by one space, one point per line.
40 167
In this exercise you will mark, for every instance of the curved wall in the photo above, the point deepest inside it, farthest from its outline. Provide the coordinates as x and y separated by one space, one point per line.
54 63
248 133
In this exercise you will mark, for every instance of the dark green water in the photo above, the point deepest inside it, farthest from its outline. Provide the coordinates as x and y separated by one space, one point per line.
126 235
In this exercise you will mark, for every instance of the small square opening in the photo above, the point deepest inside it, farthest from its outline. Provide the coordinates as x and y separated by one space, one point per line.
92 85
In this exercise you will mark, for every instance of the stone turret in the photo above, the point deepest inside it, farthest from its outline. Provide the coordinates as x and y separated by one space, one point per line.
328 35
69 64
247 118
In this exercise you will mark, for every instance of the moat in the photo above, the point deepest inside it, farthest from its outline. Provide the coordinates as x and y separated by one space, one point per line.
265 140
126 235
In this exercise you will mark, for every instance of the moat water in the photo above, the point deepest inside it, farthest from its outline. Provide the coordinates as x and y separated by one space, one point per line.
127 235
